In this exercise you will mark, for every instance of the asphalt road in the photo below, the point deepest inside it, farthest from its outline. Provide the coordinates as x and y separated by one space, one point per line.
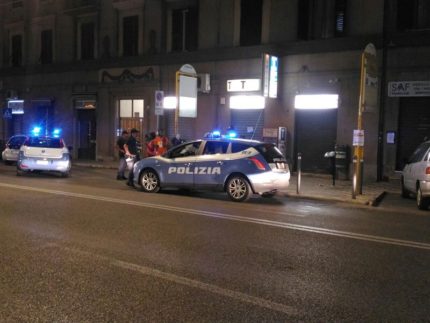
90 249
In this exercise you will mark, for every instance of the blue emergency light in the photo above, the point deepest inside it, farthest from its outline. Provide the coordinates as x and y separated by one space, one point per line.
36 131
56 132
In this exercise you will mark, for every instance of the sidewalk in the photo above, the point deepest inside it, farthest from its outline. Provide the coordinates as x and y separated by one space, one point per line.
312 186
321 187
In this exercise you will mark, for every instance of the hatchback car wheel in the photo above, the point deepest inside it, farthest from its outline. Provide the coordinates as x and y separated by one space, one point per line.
238 189
149 182
422 202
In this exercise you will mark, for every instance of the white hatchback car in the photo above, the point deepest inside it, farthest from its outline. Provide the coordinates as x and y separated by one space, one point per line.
11 151
40 153
416 176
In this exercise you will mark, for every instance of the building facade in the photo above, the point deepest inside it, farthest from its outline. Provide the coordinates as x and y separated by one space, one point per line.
92 68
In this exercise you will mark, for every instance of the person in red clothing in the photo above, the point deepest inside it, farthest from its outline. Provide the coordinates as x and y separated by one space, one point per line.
159 144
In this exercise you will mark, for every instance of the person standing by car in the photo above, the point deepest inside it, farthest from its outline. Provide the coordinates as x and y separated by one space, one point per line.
159 144
131 148
121 154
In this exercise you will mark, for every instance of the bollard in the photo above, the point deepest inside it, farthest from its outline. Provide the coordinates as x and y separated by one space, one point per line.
362 175
354 177
299 172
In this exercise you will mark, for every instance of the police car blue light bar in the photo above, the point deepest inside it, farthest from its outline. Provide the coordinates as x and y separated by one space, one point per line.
56 132
231 134
36 131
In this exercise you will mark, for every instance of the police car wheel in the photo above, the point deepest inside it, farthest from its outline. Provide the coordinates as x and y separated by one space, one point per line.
238 189
149 182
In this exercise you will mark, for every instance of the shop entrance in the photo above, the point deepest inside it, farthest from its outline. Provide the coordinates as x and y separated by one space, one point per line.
315 135
414 127
87 134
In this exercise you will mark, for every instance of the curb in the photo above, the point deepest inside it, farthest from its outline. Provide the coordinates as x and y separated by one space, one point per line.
368 202
94 165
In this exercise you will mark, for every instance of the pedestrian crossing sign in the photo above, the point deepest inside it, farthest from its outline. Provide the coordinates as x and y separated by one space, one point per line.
7 113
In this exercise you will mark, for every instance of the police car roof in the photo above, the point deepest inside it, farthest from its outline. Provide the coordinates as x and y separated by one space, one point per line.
239 140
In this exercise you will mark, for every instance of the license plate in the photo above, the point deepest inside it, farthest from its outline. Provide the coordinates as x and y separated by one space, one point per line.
42 162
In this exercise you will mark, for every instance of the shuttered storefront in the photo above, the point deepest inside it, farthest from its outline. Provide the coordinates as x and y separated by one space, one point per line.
248 123
414 126
315 135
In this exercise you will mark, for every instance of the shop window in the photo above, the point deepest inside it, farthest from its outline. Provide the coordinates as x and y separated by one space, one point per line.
87 41
130 35
16 57
413 14
251 14
46 54
184 29
131 108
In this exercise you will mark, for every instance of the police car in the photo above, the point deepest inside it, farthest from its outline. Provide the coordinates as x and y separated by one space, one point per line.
43 153
237 166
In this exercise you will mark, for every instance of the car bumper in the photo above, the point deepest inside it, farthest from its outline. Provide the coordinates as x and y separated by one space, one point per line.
425 188
9 156
46 165
269 181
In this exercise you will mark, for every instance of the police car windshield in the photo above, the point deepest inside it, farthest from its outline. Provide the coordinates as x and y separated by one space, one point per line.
45 142
270 152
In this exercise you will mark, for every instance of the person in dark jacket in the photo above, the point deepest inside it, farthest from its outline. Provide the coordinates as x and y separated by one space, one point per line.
121 155
131 148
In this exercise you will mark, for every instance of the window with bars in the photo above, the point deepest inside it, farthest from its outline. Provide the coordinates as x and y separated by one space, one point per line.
130 35
87 41
251 15
46 53
413 14
16 54
184 29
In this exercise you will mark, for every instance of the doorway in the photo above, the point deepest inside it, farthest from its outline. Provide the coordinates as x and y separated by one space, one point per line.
315 135
87 134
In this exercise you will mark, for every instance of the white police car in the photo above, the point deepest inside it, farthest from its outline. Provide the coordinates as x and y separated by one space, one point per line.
237 166
11 151
44 153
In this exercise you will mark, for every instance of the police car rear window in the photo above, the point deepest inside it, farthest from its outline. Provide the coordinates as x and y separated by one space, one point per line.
45 142
270 153
237 147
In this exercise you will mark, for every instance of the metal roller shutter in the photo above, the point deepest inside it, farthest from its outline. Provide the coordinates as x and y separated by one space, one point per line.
248 123
414 126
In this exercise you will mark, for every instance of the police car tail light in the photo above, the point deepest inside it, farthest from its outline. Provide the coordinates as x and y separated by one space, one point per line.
427 170
257 163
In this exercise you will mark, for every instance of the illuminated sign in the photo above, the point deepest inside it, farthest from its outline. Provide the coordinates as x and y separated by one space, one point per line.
244 85
316 101
270 76
16 106
247 102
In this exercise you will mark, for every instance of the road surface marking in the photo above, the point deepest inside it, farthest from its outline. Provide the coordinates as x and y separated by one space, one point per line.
291 226
148 271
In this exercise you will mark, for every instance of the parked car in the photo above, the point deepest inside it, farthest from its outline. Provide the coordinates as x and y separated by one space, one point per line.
237 166
42 153
416 176
11 151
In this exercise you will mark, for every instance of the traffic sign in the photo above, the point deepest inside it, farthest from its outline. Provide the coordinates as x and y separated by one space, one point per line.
7 113
159 100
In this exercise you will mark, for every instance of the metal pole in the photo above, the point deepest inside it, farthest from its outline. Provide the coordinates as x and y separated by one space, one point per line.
361 176
354 177
177 104
299 172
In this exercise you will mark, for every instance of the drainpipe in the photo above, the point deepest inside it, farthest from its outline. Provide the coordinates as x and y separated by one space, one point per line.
382 94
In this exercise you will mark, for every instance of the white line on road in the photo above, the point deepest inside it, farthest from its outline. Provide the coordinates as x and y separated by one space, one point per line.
148 271
291 226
